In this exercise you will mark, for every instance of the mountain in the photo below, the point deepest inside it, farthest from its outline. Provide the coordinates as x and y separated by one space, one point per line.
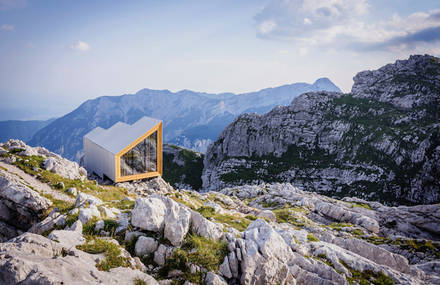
380 142
182 167
22 130
191 119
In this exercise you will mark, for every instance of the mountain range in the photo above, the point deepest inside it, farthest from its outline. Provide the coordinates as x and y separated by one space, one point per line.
380 142
191 119
22 130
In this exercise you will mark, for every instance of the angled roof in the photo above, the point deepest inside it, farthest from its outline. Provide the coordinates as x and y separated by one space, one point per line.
120 135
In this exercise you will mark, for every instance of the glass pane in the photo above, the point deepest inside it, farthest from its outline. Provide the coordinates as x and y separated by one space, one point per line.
142 158
151 157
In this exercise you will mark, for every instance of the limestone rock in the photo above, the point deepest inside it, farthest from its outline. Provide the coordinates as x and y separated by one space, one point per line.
86 214
213 279
203 227
149 214
20 206
34 259
145 245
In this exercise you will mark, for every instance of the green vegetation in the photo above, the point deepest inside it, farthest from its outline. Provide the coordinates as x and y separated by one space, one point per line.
322 257
89 227
198 250
190 173
139 281
71 219
412 245
362 205
122 204
288 215
236 222
312 238
111 251
62 205
105 193
367 277
191 201
339 226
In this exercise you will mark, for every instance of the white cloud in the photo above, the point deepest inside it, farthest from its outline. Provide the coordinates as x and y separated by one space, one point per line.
6 27
297 18
12 4
267 27
343 23
80 46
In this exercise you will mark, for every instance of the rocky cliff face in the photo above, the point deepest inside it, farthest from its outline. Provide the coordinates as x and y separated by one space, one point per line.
380 142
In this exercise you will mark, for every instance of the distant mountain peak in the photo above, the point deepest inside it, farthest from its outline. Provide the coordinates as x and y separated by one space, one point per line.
324 83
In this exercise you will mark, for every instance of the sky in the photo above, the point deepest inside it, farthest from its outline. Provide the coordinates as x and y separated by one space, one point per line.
56 54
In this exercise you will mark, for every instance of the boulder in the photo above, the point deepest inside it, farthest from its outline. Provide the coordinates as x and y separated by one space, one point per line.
84 200
34 259
65 168
203 227
264 255
20 206
149 214
145 245
176 222
267 214
86 214
213 279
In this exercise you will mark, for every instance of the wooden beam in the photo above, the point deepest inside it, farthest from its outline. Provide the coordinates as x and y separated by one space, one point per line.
158 171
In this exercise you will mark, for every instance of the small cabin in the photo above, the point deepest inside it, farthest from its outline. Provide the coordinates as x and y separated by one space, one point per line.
125 152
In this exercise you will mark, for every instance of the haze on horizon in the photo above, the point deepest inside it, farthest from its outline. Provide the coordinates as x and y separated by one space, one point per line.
54 55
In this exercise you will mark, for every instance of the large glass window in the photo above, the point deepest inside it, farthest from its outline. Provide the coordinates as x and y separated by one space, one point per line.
142 158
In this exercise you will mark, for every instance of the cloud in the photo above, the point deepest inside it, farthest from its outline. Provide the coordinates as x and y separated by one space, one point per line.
295 19
80 46
6 27
345 24
12 4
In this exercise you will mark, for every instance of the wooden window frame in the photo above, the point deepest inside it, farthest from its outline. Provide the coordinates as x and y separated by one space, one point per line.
118 156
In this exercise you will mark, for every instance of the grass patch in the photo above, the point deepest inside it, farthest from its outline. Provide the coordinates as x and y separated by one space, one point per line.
312 238
71 219
238 223
139 281
367 276
62 205
287 215
339 226
105 193
361 205
112 253
122 204
198 250
89 227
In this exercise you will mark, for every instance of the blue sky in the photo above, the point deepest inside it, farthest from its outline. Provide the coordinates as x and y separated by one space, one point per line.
55 54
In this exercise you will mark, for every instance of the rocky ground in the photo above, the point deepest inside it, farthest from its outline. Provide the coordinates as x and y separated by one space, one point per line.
146 232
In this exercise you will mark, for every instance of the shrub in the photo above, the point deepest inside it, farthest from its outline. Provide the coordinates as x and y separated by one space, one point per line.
312 238
111 251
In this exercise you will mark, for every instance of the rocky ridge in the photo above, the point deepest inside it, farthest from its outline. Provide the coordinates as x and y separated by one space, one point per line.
149 233
380 142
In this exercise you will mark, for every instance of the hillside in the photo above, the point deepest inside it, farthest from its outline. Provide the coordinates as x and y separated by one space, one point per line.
59 227
182 168
21 130
380 142
191 119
